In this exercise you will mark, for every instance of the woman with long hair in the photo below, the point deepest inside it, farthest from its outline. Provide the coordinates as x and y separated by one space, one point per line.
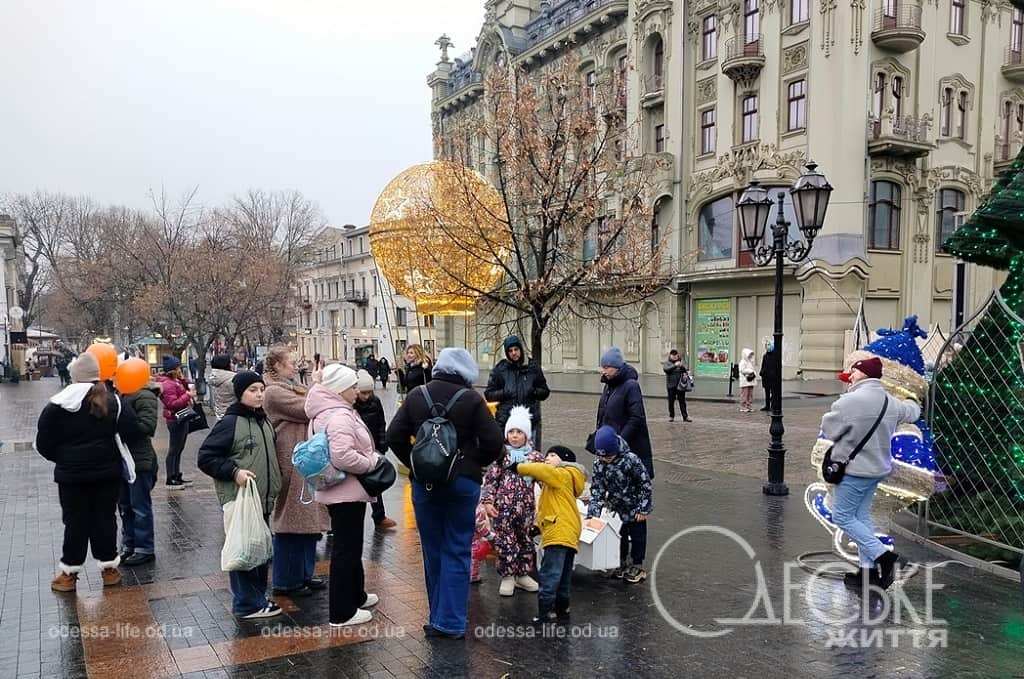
417 368
76 432
297 526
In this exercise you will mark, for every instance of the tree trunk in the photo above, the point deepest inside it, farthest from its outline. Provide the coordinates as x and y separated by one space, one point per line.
537 339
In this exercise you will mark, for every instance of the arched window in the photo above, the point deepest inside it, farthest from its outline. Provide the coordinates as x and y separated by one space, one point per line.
884 216
715 229
948 203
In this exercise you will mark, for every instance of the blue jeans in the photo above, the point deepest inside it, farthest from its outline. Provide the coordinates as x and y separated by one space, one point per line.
555 579
294 559
852 513
249 589
136 508
446 517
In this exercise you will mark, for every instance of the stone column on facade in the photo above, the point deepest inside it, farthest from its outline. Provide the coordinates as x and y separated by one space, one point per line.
828 310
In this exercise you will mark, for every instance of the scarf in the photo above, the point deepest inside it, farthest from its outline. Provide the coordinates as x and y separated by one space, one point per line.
518 456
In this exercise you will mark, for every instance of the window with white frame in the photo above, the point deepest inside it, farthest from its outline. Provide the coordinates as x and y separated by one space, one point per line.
749 118
708 131
1017 34
659 138
956 17
961 117
884 216
751 21
799 11
709 37
897 95
949 202
946 112
797 98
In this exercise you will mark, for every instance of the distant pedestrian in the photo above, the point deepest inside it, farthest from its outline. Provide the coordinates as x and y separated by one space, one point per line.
223 392
303 368
371 410
175 393
329 406
517 381
677 377
297 526
76 432
748 380
372 367
384 371
138 540
240 447
770 377
446 514
622 406
621 484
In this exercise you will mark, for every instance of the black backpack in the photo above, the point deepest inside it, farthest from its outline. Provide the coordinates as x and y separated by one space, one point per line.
436 449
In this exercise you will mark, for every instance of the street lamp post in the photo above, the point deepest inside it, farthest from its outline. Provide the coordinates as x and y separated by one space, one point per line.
810 195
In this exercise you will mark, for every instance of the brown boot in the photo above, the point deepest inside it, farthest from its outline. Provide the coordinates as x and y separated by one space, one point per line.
64 582
111 577
386 524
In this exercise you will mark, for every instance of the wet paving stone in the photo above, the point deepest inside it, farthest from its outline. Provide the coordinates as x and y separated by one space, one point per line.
708 474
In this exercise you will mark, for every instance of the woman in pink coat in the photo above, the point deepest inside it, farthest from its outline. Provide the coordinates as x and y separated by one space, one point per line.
329 408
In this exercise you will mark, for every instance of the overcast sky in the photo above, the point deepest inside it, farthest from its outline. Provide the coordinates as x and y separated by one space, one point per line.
113 97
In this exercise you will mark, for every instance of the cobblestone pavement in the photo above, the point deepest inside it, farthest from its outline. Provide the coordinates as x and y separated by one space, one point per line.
173 616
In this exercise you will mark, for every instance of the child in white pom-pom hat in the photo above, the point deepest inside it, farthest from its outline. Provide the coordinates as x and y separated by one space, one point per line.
508 499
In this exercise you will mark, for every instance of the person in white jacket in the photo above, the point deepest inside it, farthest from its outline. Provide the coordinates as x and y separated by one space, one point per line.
748 380
849 421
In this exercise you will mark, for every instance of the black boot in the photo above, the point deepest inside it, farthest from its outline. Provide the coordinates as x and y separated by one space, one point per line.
886 568
860 579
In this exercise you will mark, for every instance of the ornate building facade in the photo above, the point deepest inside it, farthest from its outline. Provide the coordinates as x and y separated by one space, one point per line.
345 310
910 109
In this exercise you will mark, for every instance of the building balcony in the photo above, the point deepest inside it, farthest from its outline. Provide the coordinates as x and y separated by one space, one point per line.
743 57
568 21
355 297
899 136
1006 151
464 87
654 90
899 33
1013 65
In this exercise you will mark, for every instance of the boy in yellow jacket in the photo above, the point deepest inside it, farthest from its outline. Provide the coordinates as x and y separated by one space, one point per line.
562 481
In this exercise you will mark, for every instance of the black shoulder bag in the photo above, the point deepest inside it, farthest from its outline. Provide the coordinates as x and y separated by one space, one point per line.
832 471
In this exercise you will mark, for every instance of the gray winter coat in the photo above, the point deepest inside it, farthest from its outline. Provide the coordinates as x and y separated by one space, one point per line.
850 419
223 391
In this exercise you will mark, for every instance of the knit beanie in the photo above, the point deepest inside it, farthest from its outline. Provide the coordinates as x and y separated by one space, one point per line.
872 367
243 380
85 368
364 381
170 363
613 358
565 454
519 418
221 362
338 377
459 362
606 441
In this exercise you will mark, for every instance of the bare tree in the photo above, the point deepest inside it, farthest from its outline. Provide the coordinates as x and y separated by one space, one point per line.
573 237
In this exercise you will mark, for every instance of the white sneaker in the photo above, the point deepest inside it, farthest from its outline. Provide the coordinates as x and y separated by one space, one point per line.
371 600
359 618
525 582
268 611
508 586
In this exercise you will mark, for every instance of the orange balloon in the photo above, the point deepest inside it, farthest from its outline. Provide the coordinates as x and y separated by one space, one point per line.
131 376
106 356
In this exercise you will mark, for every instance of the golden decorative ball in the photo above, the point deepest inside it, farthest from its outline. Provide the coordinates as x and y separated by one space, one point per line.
438 233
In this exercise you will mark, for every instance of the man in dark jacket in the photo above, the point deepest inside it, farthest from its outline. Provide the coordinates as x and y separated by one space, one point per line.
675 373
136 504
371 411
517 382
372 367
622 406
769 377
446 514
383 371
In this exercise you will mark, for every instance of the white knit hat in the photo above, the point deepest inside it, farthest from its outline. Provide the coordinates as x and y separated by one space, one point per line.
364 381
519 418
338 377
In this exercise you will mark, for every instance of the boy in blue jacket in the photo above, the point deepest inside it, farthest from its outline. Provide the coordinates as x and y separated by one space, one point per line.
621 483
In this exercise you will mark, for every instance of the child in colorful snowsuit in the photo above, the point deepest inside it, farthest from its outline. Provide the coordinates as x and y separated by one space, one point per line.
621 484
509 501
561 481
482 539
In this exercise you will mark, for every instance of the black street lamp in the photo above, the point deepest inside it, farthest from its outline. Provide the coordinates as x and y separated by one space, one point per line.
810 195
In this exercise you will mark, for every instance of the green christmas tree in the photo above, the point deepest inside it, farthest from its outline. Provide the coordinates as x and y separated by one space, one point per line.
978 397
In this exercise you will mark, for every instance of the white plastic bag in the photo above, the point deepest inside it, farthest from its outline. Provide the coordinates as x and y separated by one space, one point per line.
247 539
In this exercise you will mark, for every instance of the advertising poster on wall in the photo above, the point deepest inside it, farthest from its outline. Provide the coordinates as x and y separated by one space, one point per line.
712 333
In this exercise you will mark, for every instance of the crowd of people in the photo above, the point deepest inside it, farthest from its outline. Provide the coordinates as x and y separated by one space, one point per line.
499 491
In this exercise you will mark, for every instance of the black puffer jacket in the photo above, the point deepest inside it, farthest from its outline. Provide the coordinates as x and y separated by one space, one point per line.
519 383
371 411
622 408
81 445
480 438
413 375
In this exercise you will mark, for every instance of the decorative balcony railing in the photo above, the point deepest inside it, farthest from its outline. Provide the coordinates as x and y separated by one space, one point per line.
1013 65
902 16
909 128
743 57
562 16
